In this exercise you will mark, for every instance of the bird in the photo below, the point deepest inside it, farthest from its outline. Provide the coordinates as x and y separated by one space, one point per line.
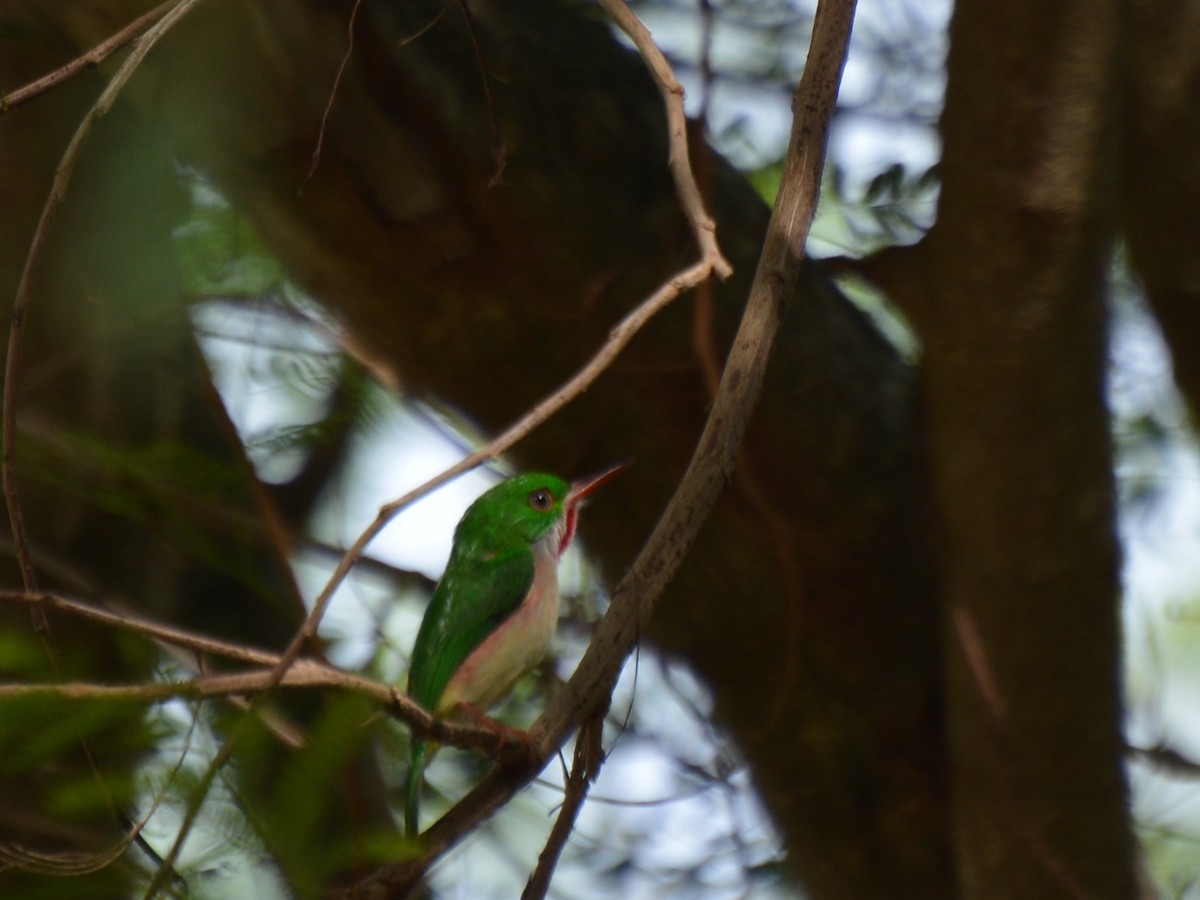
495 609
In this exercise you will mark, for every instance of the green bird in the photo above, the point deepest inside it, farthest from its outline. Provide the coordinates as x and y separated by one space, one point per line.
495 610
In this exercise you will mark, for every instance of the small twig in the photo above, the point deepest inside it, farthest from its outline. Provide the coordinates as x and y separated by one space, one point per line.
1167 759
980 668
304 673
337 80
588 758
997 718
88 60
703 227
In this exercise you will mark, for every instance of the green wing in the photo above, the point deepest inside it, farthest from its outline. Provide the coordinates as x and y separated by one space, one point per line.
472 599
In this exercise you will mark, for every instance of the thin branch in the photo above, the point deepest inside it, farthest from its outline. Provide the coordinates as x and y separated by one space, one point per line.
88 60
703 227
589 756
304 673
712 463
167 634
337 80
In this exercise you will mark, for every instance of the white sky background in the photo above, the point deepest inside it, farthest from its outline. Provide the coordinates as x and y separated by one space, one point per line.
399 451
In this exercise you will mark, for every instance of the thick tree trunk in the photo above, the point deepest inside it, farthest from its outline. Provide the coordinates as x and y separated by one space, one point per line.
1020 462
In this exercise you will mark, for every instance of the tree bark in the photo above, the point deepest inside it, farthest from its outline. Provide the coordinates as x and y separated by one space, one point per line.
1020 459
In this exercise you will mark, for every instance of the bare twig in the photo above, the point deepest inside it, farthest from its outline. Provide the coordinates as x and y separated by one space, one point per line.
88 60
304 673
1015 802
167 634
337 80
703 227
635 597
584 767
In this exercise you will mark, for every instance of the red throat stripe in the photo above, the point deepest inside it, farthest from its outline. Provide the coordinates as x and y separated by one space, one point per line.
572 519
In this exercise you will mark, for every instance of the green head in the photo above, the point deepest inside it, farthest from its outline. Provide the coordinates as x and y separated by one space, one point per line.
538 509
527 507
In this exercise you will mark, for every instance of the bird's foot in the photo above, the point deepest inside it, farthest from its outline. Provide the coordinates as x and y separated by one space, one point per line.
513 745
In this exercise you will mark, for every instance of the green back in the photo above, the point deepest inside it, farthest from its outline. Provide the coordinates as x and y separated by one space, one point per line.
490 572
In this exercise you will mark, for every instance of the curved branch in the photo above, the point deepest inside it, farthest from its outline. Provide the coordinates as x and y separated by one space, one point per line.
703 227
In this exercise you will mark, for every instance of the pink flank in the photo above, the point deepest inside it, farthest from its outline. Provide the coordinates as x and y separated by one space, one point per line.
489 673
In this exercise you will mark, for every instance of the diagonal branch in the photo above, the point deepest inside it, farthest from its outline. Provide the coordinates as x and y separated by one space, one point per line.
589 756
89 60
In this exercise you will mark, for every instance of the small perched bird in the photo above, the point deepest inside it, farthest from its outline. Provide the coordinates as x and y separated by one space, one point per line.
495 610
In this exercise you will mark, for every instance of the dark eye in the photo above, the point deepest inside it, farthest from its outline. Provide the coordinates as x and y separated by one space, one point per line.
541 499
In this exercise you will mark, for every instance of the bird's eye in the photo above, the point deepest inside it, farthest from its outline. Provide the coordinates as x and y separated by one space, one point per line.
541 499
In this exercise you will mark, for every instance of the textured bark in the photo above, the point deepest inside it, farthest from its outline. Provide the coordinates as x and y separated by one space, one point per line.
1021 467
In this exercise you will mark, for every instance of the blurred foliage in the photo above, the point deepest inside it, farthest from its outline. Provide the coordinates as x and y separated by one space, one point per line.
218 251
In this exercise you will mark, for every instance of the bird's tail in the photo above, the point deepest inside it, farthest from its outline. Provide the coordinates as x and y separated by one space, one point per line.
412 790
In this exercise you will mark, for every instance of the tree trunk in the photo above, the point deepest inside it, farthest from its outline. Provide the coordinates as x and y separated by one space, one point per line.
1020 458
